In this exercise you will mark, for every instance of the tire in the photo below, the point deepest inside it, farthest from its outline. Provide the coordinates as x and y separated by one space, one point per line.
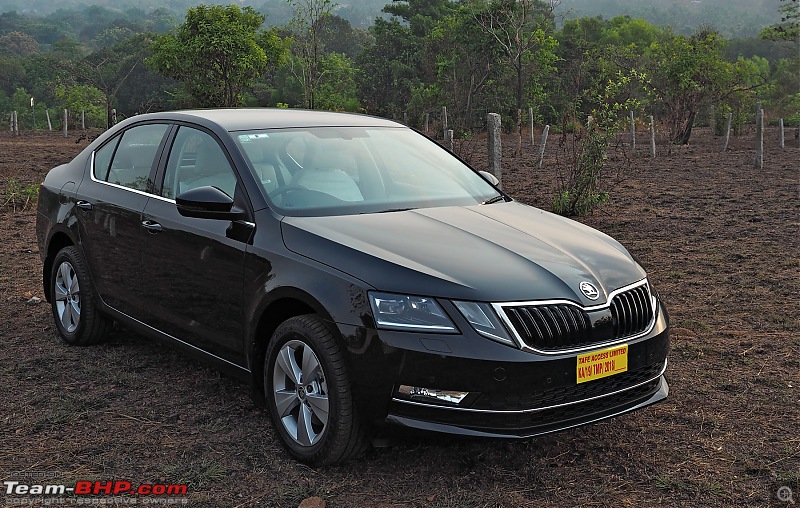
73 301
305 375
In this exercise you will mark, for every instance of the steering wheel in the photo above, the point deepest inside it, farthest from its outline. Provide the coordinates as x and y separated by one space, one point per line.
288 188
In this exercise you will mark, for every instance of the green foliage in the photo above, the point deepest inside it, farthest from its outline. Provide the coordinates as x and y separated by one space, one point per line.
18 44
216 53
308 25
733 18
389 68
18 196
687 72
580 191
86 98
789 27
337 90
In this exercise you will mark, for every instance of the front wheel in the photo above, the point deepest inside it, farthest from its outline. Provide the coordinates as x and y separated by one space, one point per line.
72 301
308 393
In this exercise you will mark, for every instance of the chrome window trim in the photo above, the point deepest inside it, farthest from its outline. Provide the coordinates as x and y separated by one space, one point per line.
534 410
499 309
137 191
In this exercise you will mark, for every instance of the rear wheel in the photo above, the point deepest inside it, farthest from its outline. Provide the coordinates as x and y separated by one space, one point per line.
309 395
72 301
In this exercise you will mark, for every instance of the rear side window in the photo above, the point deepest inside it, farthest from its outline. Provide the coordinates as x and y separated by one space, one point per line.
131 156
102 159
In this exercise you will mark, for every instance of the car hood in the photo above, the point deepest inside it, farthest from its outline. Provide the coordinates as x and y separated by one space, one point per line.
497 253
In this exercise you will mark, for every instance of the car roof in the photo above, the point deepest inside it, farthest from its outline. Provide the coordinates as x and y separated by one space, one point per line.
270 118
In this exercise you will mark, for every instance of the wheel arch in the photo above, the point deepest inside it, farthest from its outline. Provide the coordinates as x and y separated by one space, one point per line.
58 240
284 304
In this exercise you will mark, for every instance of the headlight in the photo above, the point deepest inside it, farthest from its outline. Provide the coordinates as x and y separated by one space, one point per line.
413 313
484 320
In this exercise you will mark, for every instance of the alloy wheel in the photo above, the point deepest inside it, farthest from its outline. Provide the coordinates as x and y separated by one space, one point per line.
68 297
300 392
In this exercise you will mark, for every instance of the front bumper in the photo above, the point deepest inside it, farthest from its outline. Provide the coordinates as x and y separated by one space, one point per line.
531 422
511 393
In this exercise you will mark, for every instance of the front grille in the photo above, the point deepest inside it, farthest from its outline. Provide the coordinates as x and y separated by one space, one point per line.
551 327
631 311
554 327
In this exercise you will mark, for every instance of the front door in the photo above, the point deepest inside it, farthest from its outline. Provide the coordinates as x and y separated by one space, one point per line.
193 268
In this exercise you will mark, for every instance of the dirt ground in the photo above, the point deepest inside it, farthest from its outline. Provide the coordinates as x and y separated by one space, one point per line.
719 238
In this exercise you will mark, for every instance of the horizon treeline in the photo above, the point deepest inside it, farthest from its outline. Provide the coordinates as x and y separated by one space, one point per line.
473 56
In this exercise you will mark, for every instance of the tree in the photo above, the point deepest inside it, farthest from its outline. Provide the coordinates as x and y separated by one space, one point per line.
216 53
308 25
18 44
519 27
109 68
688 72
84 98
337 91
789 27
388 69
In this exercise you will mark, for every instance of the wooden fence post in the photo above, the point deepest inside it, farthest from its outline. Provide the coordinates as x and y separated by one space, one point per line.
728 132
16 123
427 122
83 119
11 122
448 139
49 124
652 138
405 117
444 119
66 116
782 138
495 149
530 115
542 145
113 117
633 132
760 139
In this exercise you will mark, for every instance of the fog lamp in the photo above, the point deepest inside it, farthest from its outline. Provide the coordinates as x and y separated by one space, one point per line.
431 394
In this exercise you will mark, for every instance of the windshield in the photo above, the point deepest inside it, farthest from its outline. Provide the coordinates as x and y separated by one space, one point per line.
347 170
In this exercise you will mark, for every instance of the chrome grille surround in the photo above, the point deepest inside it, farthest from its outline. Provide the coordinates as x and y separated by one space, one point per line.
562 326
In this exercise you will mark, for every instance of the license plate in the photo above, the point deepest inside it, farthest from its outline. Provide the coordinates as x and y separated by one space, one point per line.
602 363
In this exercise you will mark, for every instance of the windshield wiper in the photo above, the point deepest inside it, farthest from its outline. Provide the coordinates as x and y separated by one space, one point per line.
494 200
392 210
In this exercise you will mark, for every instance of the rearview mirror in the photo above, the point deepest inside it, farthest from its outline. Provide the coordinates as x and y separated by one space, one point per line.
492 179
208 203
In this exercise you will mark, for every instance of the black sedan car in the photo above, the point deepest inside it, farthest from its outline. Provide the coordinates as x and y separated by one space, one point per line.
351 270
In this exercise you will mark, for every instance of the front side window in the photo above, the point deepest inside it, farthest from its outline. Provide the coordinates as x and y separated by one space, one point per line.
128 159
197 160
344 170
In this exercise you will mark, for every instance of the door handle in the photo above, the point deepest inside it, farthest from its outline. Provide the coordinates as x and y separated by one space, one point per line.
84 205
152 226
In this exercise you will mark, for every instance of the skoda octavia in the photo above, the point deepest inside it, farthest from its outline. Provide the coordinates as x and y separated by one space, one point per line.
353 272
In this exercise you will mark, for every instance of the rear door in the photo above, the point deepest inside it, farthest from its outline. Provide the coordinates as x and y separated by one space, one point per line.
110 204
193 268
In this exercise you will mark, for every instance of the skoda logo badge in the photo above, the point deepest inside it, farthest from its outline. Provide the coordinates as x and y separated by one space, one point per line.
588 289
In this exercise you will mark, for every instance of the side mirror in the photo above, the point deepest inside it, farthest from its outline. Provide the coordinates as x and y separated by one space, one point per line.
492 179
208 203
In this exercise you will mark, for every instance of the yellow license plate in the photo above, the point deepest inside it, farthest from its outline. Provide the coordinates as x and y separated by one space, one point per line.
602 363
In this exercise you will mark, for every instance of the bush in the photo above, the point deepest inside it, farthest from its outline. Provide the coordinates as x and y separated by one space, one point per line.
18 196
